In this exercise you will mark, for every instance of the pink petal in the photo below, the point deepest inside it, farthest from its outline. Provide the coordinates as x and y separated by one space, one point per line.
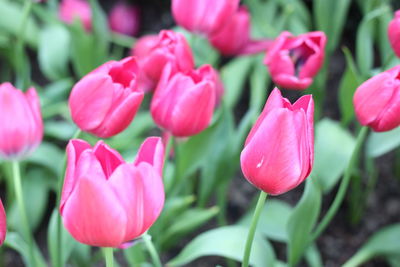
152 152
108 158
3 223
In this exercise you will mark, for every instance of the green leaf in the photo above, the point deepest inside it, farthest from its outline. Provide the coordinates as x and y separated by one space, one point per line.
302 221
382 142
62 130
259 82
329 135
228 241
53 51
384 243
17 243
48 155
135 255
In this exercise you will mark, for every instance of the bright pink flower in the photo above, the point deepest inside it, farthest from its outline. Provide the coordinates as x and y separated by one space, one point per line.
203 16
71 10
279 151
3 223
183 103
294 61
234 38
377 101
153 55
124 19
105 201
21 126
394 33
105 101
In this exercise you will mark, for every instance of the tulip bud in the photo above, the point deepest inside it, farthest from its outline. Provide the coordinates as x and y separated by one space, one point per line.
153 55
3 223
294 61
279 151
377 101
203 16
107 202
21 127
183 103
124 19
105 101
76 9
234 38
394 33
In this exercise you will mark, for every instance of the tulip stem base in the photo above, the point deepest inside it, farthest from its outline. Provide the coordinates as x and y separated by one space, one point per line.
109 256
253 227
152 250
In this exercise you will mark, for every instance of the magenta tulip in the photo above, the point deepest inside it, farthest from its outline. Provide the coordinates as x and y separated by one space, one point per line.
279 150
105 101
124 19
377 101
203 16
107 202
394 33
3 223
294 61
71 10
21 127
183 103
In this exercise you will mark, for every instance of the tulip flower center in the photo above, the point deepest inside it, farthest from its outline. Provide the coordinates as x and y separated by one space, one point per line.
121 75
299 56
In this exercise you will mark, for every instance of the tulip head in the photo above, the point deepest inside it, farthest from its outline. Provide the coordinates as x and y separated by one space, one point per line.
294 61
124 19
279 151
71 10
183 102
394 33
105 101
21 127
203 16
377 101
107 202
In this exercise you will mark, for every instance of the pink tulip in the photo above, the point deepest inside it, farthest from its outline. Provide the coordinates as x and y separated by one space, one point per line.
124 19
107 202
105 101
279 151
377 101
3 223
294 61
234 38
394 33
21 127
169 48
183 103
71 10
203 16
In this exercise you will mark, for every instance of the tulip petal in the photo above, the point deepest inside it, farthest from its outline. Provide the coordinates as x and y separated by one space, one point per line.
108 158
152 152
3 223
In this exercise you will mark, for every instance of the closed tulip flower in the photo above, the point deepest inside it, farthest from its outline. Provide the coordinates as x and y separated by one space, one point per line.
3 223
107 202
105 101
21 127
71 10
377 101
394 33
294 61
203 16
279 151
124 19
183 103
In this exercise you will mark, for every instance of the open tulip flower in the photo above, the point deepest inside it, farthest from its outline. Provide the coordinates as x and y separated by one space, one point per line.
294 61
105 101
105 201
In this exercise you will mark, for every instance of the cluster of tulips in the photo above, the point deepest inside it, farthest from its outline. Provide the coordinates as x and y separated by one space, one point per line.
108 202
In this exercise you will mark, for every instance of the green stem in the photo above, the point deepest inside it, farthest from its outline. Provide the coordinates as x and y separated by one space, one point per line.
342 188
109 257
21 205
253 227
152 250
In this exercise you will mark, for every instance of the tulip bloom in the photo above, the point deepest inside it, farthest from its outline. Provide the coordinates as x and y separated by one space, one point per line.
76 9
377 101
105 101
394 33
153 55
107 202
203 16
279 151
124 19
3 223
294 61
21 127
183 103
234 38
